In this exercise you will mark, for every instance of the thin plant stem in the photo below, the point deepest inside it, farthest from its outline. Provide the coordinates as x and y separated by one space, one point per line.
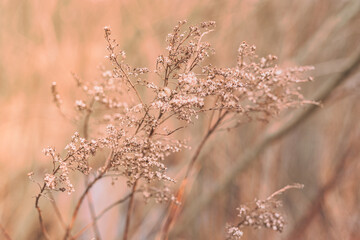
77 235
37 201
111 50
284 189
82 197
41 220
203 141
56 209
88 195
174 208
92 213
129 211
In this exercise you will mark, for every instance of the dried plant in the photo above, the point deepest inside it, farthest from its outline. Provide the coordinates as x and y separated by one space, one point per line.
260 214
133 114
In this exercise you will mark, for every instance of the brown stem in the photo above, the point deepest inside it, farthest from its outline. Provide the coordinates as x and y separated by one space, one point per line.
92 213
88 195
303 224
128 215
347 157
42 225
87 119
78 205
101 214
57 211
204 140
89 186
174 208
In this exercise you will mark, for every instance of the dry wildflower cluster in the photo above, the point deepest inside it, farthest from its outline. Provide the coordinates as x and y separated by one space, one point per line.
260 214
135 113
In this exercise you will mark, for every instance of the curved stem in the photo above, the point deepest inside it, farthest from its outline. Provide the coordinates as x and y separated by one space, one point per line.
204 140
102 213
88 195
128 215
89 186
174 208
6 235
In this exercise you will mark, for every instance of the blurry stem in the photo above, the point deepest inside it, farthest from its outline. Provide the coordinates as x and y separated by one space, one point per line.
274 133
128 215
77 208
102 213
347 144
57 211
166 76
325 32
92 212
88 187
313 210
174 208
41 220
6 235
204 140
88 195
87 119
142 121
212 113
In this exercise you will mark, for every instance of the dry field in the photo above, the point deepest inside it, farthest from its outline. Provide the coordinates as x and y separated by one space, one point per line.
317 145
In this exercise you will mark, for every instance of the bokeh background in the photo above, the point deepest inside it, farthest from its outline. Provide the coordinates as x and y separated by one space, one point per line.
44 41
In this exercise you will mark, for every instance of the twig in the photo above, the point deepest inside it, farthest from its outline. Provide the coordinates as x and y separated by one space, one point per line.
111 50
37 200
87 119
128 215
41 220
284 189
170 132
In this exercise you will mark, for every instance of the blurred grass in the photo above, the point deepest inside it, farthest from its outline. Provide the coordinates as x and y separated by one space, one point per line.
43 41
